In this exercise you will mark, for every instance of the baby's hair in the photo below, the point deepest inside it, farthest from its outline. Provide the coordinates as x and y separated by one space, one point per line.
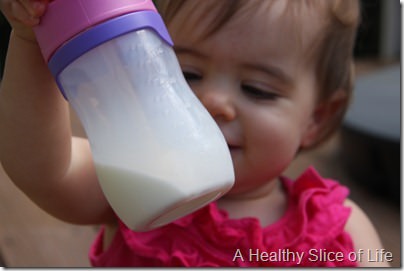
331 49
335 66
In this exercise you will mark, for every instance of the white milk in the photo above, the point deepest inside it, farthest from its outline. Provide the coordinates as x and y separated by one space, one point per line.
158 153
145 202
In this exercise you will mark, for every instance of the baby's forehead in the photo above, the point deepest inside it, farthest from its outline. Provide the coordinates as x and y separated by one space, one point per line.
293 17
291 22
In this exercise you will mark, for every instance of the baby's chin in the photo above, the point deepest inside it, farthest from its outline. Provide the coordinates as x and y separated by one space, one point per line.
236 192
245 190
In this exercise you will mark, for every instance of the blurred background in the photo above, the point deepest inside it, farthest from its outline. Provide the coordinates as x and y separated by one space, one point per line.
365 155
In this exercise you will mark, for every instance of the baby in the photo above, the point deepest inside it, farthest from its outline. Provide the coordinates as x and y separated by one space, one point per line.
277 78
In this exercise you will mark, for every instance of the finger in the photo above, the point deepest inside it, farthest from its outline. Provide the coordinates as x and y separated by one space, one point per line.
5 7
35 8
12 10
21 13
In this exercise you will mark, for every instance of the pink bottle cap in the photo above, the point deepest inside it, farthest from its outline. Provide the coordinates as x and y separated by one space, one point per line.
66 18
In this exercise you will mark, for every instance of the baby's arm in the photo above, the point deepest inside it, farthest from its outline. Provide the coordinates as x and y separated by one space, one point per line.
36 147
366 240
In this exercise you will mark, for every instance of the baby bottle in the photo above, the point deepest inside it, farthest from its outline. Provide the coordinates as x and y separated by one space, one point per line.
158 153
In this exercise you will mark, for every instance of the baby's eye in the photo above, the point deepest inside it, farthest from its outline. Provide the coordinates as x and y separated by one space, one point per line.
191 76
257 93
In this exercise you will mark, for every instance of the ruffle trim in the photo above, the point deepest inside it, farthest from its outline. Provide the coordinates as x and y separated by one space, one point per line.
315 219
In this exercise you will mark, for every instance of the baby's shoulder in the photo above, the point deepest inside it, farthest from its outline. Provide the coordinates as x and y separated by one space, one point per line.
364 235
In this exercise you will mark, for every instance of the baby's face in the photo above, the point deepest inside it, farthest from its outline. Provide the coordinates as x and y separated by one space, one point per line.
255 82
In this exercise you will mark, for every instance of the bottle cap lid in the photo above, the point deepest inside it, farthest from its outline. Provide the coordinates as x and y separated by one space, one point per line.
66 18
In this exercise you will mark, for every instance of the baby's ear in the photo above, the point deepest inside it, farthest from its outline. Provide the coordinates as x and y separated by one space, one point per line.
325 116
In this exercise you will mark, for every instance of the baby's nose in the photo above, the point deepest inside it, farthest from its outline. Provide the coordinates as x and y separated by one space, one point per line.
220 104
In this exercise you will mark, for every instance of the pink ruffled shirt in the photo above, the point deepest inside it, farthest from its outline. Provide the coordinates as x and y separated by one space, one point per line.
311 233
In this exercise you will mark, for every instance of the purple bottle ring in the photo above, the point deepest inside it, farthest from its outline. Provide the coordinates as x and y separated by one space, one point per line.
104 32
